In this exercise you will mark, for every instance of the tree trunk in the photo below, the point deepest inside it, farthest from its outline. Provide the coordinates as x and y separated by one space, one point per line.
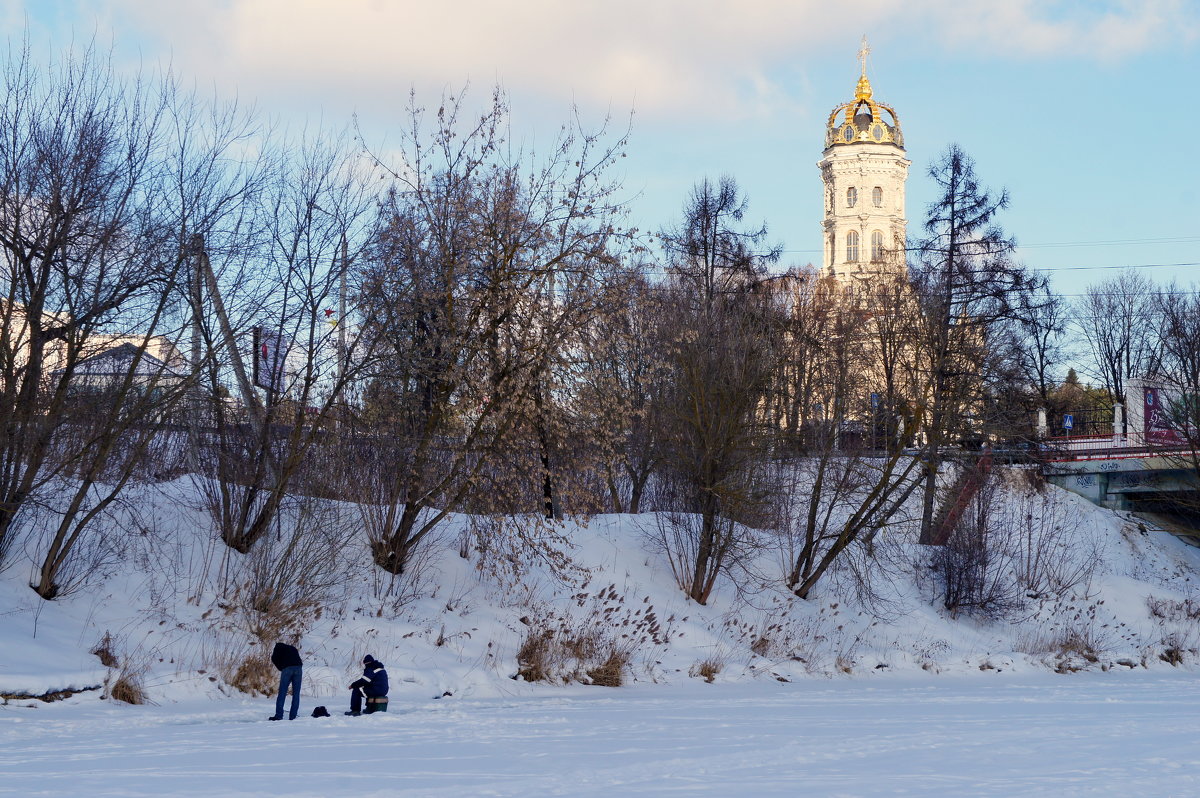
392 553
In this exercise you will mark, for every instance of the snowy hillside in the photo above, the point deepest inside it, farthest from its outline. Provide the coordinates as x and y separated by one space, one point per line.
597 605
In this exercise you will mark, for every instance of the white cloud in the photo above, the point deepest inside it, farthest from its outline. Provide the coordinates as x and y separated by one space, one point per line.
701 59
1097 29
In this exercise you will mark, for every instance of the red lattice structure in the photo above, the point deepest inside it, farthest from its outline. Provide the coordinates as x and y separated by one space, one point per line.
964 489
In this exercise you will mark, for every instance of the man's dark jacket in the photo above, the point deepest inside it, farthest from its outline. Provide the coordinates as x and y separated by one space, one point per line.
374 681
285 656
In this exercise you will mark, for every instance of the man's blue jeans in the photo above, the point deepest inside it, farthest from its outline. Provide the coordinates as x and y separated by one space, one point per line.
289 676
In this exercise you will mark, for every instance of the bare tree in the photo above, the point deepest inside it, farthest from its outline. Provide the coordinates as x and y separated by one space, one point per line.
1016 543
1118 319
1023 355
220 164
838 493
900 371
86 266
317 211
799 395
621 389
720 353
973 568
485 264
1039 328
1179 373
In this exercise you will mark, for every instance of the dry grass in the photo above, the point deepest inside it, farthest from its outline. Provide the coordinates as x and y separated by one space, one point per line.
127 688
1068 650
561 649
254 675
1170 610
708 669
1172 656
535 658
104 650
1080 643
124 680
610 673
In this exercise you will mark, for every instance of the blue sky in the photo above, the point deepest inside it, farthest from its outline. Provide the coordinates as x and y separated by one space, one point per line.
1085 111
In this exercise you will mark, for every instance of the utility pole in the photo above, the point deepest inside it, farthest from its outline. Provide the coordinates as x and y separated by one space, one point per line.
254 407
341 319
196 298
195 403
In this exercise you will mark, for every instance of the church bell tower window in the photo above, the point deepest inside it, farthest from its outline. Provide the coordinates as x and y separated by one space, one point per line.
877 245
852 247
877 196
851 197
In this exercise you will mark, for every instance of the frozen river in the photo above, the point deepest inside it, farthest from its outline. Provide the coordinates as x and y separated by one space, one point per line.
1127 734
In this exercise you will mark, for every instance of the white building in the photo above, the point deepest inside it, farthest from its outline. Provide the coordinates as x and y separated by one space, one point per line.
864 171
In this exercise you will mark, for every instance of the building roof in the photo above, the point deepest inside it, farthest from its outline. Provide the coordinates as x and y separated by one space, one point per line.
116 362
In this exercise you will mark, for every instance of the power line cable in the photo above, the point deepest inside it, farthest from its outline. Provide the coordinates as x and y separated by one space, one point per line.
1059 244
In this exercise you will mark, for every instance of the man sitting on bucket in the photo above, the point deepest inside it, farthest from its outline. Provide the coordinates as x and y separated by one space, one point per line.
373 686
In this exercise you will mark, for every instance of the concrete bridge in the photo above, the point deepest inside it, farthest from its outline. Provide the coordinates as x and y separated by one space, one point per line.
1161 488
1123 481
1142 467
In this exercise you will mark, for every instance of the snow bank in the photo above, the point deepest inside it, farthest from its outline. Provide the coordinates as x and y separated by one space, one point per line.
457 628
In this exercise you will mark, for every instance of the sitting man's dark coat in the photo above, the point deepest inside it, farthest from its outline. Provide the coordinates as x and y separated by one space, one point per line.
372 684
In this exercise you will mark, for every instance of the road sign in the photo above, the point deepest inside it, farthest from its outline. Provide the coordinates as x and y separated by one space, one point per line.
1068 421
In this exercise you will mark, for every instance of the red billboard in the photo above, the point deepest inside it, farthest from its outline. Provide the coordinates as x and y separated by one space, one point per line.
1160 426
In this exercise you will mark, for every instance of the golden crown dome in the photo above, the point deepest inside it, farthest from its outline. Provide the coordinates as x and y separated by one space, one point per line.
862 119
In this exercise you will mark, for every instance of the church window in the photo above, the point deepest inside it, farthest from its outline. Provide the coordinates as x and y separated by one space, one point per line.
852 247
877 197
877 246
851 197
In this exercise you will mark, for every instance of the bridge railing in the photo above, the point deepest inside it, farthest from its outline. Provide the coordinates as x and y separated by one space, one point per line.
1076 447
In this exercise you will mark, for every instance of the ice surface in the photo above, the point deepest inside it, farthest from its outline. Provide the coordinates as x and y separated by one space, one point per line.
1090 734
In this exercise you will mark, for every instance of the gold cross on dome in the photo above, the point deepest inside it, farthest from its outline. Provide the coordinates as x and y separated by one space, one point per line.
863 52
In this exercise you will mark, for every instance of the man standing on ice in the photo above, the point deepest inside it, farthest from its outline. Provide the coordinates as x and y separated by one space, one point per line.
373 686
291 669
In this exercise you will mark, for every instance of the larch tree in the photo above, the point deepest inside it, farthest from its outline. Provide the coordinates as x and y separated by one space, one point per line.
967 281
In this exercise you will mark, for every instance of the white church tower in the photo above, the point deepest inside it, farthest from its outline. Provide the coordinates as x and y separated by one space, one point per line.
863 171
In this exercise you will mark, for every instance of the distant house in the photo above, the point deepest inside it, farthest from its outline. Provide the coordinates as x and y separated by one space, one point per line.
159 346
15 343
107 370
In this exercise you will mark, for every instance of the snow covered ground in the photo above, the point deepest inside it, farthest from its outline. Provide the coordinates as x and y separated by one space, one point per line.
830 696
1129 733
